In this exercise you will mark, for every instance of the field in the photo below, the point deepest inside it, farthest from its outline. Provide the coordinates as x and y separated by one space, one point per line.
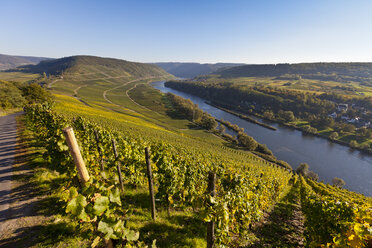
305 85
18 76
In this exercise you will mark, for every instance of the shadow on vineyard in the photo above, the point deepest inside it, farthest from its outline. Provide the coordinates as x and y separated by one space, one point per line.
168 230
283 227
178 230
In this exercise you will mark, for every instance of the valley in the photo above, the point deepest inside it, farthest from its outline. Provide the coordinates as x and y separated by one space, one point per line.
125 101
327 159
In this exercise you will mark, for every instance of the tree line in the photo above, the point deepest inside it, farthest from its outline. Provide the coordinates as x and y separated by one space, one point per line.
288 106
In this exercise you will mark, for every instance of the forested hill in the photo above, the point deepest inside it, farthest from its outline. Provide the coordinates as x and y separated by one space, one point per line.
190 70
92 64
363 70
9 61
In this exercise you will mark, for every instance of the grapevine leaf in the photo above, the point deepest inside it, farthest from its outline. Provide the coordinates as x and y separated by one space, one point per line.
73 192
131 235
81 200
76 205
106 229
71 206
83 215
101 204
115 197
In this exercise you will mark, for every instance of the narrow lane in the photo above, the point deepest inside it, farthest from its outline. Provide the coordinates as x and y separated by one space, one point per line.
8 135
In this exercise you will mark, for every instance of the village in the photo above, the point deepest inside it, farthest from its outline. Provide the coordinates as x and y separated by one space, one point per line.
362 121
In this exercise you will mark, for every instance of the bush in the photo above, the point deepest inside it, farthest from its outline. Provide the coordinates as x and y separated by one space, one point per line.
312 175
262 148
309 129
10 96
247 141
34 93
353 144
333 136
303 169
230 138
338 182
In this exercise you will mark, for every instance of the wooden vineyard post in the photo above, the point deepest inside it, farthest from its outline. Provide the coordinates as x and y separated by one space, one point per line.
99 150
151 183
76 155
117 164
210 225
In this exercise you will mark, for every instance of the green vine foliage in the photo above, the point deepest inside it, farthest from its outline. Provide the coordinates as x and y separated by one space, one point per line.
245 189
335 217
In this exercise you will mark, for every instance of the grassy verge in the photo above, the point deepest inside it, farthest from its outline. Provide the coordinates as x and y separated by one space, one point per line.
9 111
43 222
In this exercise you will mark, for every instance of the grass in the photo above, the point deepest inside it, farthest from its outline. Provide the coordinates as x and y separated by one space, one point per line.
180 229
9 111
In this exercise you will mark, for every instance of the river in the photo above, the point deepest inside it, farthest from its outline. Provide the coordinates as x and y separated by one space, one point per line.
325 158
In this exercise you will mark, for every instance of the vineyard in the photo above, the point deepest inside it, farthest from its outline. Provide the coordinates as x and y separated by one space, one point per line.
335 217
244 188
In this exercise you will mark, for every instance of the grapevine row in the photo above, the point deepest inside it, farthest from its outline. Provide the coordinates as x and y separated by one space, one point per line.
333 220
244 189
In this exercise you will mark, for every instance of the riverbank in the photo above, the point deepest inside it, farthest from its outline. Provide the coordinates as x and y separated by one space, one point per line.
244 117
241 116
327 159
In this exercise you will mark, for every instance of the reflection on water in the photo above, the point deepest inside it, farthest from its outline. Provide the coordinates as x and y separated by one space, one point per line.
327 159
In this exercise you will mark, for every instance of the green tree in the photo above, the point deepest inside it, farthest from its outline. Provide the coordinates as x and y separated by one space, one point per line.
10 96
247 141
312 175
208 122
353 144
338 182
287 115
333 136
34 93
262 148
310 129
303 169
221 129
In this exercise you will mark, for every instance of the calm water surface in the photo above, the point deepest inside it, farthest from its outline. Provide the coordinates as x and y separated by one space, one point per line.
327 159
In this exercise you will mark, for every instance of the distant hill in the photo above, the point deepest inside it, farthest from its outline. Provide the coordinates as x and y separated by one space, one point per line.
308 70
10 62
190 70
92 64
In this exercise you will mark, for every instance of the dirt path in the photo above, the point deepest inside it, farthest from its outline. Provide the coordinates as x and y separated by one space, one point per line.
78 98
53 82
8 142
19 217
284 226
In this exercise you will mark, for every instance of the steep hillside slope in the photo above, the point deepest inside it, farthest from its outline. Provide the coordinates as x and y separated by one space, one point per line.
91 64
190 70
10 62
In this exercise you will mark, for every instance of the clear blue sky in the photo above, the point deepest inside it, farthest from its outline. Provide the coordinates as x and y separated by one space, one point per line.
268 31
